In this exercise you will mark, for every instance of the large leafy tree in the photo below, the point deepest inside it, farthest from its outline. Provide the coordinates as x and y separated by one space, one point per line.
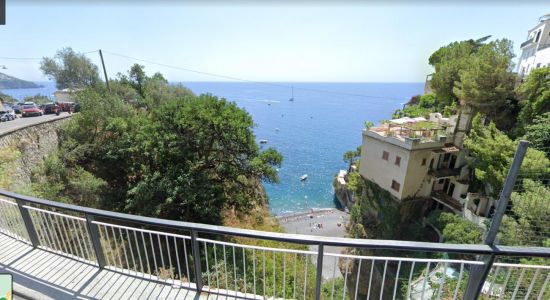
186 158
534 95
70 69
487 84
448 61
201 156
493 151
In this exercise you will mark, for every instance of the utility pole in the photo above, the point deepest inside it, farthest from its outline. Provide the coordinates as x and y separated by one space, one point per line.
104 70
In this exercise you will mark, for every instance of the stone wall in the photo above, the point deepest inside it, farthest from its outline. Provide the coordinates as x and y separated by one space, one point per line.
34 142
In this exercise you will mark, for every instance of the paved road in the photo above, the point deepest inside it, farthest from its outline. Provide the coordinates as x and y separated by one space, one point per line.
24 122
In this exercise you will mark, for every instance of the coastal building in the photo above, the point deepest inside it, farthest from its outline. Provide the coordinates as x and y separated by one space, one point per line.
419 158
536 49
65 95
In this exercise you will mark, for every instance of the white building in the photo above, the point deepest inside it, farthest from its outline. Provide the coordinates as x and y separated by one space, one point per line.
536 49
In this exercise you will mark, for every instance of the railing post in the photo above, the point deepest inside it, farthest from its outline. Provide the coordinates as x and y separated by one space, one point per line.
29 225
196 261
478 274
319 276
96 241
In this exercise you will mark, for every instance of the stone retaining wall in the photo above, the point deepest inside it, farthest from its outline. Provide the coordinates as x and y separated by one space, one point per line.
34 142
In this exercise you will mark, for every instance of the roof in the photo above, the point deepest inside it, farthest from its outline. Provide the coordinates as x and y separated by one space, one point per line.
407 120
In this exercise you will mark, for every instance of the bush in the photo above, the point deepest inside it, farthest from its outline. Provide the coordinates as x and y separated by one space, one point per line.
455 229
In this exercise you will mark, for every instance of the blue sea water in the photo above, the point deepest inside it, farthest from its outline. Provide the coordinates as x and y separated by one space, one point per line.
312 132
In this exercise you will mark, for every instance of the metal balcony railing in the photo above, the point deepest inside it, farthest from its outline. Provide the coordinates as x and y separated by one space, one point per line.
221 260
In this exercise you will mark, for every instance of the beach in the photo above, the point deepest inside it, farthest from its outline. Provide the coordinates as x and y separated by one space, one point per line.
320 222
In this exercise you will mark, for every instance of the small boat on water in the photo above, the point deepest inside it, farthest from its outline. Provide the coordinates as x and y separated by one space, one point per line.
263 141
292 98
303 177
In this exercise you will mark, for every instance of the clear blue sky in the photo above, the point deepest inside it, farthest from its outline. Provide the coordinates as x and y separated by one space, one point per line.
349 42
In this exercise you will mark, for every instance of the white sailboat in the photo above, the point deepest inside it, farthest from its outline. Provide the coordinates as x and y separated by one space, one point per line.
292 98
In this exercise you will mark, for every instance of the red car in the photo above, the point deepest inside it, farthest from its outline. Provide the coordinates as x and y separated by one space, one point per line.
30 110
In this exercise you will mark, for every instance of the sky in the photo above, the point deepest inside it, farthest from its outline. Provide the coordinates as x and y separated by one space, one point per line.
348 42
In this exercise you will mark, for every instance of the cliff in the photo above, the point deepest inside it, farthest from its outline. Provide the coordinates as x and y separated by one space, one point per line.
10 82
376 214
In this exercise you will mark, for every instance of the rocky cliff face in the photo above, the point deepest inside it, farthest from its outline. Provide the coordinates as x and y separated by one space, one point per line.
376 214
33 143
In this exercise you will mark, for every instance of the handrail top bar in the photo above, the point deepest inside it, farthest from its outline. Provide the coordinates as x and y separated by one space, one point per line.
290 237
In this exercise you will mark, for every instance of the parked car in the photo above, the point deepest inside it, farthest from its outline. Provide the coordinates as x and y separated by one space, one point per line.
31 110
51 108
17 108
67 106
7 115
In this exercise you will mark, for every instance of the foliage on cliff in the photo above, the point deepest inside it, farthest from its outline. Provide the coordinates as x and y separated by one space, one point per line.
377 215
534 95
418 106
493 151
528 223
170 154
8 156
448 61
454 228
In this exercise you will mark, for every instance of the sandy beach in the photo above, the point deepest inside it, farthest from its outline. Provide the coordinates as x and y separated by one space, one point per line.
324 222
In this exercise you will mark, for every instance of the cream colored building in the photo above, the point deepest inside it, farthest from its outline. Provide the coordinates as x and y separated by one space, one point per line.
418 158
65 95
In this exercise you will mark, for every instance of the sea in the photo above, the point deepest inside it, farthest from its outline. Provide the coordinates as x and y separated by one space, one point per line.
312 132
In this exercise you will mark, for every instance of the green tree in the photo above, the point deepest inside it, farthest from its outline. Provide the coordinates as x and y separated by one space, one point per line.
486 83
147 91
201 157
448 61
351 156
189 158
70 69
455 229
538 133
493 151
534 96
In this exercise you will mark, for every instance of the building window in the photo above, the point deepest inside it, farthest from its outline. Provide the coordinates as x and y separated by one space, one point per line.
395 185
424 161
385 155
398 160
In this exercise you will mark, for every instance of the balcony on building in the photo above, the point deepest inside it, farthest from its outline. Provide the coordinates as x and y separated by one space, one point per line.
446 165
529 42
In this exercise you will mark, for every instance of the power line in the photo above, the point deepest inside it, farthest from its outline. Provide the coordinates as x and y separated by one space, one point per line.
245 80
37 58
20 58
